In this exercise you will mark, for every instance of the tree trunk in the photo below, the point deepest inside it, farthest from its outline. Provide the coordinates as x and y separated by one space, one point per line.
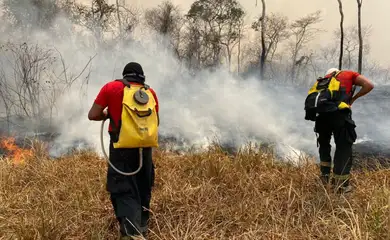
359 2
239 51
119 17
263 49
229 57
341 34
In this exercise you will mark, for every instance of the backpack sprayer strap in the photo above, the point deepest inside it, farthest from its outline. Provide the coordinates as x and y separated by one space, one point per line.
126 82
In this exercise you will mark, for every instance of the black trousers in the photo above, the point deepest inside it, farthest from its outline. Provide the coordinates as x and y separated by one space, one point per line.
131 195
341 125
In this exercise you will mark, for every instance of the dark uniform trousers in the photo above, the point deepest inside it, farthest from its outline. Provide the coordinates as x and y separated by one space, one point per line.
131 195
341 125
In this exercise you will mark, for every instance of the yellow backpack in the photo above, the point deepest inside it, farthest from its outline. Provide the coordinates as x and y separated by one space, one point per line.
138 126
325 95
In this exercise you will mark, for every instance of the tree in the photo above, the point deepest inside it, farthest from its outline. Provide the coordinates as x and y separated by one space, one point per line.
193 46
166 20
360 61
97 18
30 14
275 32
220 24
341 33
302 32
351 44
129 18
233 37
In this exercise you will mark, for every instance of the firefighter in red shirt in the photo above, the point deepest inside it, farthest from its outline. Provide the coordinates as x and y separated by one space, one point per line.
130 195
341 125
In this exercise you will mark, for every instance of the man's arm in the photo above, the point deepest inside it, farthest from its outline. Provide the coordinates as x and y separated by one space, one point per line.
366 85
97 111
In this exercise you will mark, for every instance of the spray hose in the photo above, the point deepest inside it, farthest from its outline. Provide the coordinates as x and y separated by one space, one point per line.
108 160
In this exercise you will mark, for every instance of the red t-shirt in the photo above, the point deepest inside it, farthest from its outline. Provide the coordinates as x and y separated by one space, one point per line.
347 79
111 95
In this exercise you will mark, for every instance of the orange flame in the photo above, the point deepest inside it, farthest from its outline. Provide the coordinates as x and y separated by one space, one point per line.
18 155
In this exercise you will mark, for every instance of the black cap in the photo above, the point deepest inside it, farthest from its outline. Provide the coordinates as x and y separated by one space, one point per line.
133 70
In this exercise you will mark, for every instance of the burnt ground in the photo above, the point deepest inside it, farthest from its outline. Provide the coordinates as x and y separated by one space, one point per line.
371 156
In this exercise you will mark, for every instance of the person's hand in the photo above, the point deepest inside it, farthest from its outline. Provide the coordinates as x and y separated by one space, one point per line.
105 114
353 99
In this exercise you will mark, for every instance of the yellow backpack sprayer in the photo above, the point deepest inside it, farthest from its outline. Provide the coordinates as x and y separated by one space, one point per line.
138 125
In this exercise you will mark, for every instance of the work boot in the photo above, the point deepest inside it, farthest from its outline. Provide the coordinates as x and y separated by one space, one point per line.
132 238
145 233
345 190
144 223
139 237
126 238
324 179
341 186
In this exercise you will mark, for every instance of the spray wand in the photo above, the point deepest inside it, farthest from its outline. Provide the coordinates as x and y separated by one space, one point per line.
108 160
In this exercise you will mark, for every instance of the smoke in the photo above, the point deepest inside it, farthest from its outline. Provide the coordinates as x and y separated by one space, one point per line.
194 109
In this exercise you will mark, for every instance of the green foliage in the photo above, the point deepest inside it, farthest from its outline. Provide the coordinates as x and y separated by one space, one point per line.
164 19
219 24
219 13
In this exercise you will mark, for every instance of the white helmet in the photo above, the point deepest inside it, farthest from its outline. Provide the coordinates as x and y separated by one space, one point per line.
331 70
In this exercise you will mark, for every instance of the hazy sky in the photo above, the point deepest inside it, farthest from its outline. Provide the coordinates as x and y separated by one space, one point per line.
374 13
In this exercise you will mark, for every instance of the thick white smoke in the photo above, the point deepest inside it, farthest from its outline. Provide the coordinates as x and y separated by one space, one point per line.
193 109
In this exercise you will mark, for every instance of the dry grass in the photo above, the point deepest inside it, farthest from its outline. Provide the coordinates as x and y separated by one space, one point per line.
196 196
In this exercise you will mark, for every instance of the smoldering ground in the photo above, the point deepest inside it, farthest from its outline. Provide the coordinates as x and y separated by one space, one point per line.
196 108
